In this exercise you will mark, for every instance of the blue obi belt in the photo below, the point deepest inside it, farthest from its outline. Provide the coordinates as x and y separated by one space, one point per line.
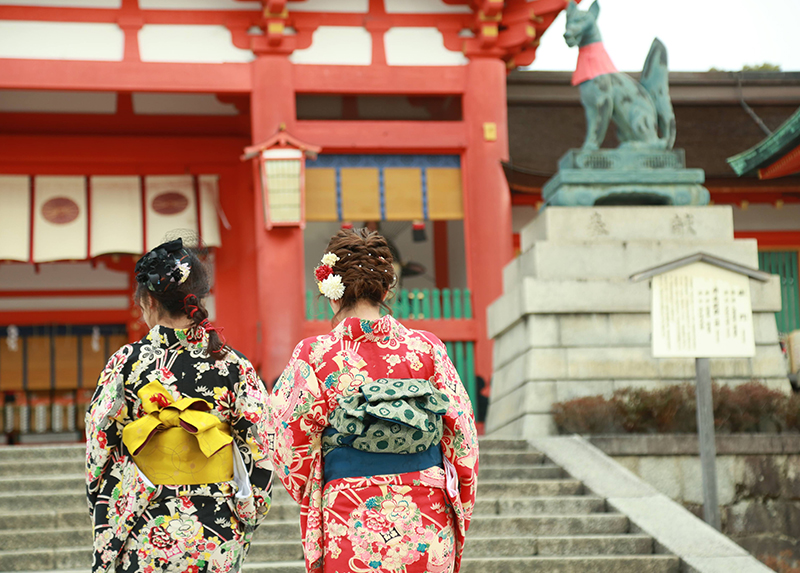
390 426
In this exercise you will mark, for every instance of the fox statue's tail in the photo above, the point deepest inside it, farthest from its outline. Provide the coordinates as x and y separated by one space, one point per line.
655 79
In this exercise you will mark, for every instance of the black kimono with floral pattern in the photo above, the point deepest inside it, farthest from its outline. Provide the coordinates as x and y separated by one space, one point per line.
194 528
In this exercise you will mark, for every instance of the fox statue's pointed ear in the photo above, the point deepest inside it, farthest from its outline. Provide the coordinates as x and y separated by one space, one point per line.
594 9
571 6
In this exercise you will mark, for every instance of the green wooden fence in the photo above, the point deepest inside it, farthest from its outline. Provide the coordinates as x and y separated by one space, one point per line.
784 264
423 304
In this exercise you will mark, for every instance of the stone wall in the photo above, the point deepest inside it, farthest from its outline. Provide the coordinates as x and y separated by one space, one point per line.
571 324
758 478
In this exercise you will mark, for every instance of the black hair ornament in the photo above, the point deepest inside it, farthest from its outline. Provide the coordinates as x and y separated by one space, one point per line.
164 268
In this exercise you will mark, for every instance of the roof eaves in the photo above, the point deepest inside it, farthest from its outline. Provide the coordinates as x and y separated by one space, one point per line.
701 258
769 149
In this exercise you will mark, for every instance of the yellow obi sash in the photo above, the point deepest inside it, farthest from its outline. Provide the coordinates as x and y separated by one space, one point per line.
179 443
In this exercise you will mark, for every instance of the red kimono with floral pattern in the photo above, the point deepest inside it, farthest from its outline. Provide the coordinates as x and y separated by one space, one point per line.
403 522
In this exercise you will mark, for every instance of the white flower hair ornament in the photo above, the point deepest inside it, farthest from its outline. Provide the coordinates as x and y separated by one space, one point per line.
329 284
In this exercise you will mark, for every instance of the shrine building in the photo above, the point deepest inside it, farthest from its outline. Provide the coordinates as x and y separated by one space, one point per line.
261 127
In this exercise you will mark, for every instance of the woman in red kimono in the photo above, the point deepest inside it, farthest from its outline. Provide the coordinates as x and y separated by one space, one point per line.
371 430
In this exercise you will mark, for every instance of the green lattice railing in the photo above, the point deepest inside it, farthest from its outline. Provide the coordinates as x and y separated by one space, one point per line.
784 264
423 304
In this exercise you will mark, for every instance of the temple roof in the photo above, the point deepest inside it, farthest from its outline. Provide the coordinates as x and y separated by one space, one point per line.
774 156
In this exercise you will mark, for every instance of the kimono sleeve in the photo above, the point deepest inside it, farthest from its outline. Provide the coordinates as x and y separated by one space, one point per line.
103 433
460 439
298 415
250 432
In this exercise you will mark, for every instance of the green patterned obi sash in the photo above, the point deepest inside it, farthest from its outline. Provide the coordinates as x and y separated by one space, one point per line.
388 416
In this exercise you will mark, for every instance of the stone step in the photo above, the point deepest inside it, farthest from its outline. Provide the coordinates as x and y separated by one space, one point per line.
529 488
45 539
582 545
509 458
492 444
20 468
549 525
563 504
46 559
487 488
490 464
22 453
594 545
520 472
595 564
34 510
73 500
67 557
73 535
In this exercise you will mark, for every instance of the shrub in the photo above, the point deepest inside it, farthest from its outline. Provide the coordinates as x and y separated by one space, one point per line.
751 407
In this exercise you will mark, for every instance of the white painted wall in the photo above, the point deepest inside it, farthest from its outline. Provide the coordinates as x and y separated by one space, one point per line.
337 46
424 7
22 39
43 101
353 6
419 47
189 44
198 5
66 3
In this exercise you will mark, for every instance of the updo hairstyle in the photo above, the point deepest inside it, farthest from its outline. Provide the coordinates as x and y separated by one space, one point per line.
186 299
365 265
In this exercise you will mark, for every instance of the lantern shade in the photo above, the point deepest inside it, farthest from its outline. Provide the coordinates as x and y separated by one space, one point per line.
282 175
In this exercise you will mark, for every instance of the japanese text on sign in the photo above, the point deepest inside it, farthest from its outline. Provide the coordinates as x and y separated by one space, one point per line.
702 311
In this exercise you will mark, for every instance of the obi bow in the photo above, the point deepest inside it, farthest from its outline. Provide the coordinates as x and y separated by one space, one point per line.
163 412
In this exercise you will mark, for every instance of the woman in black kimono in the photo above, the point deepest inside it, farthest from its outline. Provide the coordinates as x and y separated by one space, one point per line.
176 469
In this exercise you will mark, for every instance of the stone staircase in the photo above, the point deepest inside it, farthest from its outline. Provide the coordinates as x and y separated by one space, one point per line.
530 516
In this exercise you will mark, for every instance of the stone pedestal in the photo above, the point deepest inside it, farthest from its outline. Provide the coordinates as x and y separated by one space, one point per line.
625 177
571 324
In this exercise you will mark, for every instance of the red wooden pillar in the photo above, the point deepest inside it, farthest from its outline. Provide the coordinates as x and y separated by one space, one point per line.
235 263
279 252
487 200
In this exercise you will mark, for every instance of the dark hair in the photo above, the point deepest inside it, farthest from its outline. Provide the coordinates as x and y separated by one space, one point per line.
365 265
182 298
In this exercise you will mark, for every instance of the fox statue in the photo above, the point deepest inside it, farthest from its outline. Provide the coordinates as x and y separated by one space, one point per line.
642 111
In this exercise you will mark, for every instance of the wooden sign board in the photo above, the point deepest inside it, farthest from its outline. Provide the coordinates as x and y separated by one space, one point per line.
702 311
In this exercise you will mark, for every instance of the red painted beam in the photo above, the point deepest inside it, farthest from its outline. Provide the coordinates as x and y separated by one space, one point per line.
447 330
124 76
384 136
38 317
82 152
61 293
434 80
785 239
127 124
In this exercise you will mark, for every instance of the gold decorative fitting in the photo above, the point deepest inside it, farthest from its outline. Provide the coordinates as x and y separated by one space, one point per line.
275 28
490 131
489 30
484 18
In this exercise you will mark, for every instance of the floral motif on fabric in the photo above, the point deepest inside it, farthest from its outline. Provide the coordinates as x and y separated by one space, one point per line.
195 528
405 522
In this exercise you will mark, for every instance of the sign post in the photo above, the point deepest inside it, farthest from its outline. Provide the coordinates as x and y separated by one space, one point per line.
708 447
701 309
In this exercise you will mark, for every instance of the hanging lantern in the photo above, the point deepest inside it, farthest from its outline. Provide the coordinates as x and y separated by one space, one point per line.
281 164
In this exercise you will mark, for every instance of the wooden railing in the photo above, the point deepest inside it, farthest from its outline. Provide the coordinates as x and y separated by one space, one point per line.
447 313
